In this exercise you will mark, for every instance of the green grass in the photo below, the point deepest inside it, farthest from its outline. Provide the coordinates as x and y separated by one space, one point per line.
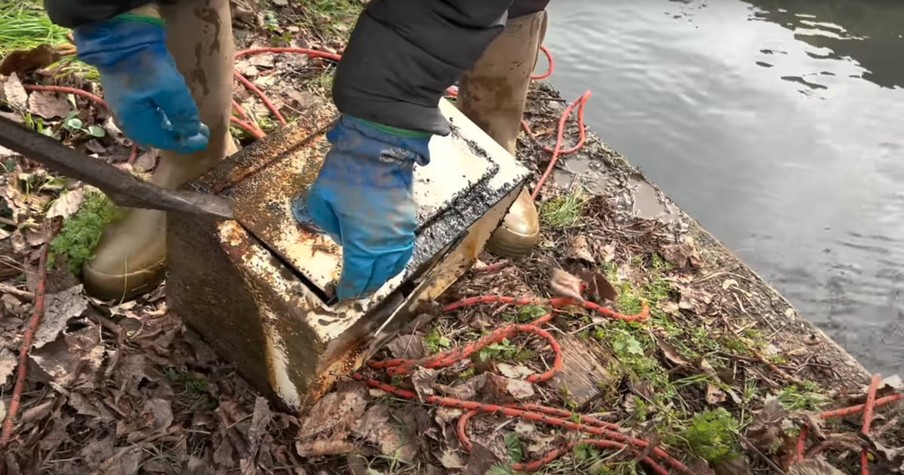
334 16
562 211
585 459
24 25
436 341
806 398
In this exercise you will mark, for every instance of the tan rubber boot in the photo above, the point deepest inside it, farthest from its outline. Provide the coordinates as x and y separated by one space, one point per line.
493 95
131 257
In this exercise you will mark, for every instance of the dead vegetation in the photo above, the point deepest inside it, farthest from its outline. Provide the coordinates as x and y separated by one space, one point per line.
722 375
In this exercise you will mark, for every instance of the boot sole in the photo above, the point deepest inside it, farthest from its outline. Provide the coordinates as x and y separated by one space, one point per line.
123 287
507 244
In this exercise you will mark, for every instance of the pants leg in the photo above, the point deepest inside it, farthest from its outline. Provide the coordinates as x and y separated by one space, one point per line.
493 95
494 91
199 36
131 257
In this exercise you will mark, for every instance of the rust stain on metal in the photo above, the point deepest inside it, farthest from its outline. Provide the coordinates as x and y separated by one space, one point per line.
273 279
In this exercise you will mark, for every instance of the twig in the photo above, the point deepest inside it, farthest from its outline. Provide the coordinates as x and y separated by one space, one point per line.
7 221
33 324
548 98
775 369
106 323
8 289
763 456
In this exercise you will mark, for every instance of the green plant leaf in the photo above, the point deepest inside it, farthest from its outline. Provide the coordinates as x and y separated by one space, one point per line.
96 131
515 450
74 123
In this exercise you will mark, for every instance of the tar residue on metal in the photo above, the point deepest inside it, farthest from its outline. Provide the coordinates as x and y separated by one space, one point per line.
467 206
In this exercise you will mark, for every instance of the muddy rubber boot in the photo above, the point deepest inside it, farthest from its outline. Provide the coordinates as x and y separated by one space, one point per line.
493 95
131 257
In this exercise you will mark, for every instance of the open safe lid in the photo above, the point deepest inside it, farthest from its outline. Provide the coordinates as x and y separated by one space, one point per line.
461 166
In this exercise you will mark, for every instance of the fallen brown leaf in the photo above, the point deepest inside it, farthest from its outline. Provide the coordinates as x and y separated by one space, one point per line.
60 307
767 430
422 379
337 412
694 299
34 237
714 395
223 453
564 284
608 253
125 461
671 353
15 94
12 306
146 161
67 204
409 347
37 413
48 105
683 255
21 62
19 244
514 371
155 418
8 362
598 286
260 419
468 389
451 459
378 428
500 389
579 248
97 451
698 466
445 415
74 360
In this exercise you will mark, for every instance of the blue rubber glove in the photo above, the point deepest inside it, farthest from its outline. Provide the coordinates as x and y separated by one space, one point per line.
363 199
150 100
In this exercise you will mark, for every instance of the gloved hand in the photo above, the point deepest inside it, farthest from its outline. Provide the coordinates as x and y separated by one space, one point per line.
363 199
150 100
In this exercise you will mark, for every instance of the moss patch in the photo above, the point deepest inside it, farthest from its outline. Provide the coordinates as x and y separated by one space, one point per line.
712 435
82 232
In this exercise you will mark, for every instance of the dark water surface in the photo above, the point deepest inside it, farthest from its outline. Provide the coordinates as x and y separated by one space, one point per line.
779 125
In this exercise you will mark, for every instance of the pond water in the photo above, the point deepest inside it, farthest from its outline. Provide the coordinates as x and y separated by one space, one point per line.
779 125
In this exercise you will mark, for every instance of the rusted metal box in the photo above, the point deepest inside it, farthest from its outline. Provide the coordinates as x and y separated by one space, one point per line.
262 292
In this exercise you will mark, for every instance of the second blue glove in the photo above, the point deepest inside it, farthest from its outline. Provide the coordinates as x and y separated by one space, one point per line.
363 199
148 95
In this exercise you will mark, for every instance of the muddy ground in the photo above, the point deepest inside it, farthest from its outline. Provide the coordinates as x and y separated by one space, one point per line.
722 375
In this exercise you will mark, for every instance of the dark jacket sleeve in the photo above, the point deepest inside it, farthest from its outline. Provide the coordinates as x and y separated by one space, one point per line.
72 13
403 54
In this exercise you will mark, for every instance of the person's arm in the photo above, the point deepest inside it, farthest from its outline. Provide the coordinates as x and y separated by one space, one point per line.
404 54
74 13
126 41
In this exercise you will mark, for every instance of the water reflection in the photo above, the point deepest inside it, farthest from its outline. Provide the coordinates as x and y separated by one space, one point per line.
866 31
